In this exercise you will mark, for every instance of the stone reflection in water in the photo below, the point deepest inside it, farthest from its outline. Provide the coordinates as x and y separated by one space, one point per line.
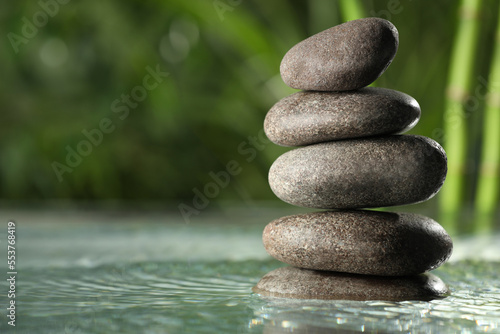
291 282
277 328
280 315
309 301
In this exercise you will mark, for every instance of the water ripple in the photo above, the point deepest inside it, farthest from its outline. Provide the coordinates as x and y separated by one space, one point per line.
473 307
216 297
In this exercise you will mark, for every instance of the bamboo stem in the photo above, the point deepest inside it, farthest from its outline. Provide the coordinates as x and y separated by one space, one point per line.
455 130
351 10
489 180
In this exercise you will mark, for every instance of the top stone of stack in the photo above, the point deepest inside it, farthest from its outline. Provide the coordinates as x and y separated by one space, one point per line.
345 57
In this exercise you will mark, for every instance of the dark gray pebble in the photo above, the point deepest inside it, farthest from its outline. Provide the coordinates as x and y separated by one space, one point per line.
359 242
360 173
345 57
308 117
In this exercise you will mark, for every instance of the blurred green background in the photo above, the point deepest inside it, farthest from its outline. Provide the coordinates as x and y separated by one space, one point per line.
68 65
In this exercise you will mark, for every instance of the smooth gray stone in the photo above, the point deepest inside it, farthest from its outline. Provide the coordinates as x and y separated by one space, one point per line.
359 242
345 57
309 117
360 173
290 282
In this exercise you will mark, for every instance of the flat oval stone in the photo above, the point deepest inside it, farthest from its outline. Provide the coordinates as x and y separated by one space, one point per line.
360 173
309 117
345 57
359 242
290 282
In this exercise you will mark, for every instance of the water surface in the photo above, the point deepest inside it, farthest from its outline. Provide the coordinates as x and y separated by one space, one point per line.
102 274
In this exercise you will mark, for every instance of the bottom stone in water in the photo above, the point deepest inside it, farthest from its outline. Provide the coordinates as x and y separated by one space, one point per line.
291 282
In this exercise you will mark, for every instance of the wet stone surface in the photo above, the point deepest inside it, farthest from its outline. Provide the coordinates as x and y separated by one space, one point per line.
291 282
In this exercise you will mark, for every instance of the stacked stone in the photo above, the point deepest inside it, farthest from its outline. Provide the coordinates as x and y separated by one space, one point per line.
353 157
